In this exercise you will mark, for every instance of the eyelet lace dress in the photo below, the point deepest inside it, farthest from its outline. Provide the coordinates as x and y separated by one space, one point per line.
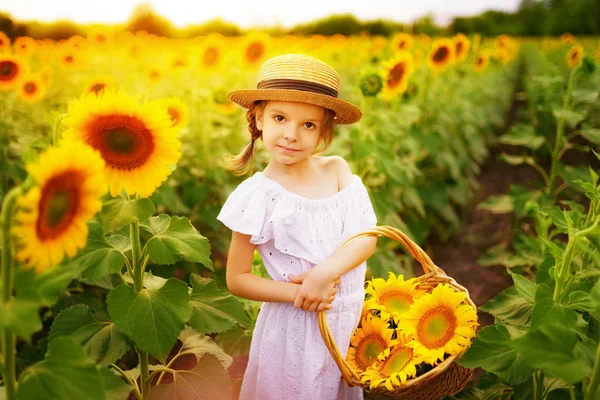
288 359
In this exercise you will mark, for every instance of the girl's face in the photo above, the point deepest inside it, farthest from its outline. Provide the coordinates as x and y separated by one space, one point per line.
290 130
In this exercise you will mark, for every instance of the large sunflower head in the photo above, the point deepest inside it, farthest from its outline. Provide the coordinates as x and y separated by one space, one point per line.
31 89
52 217
394 366
461 47
395 74
368 342
441 54
12 70
440 323
136 141
575 55
392 297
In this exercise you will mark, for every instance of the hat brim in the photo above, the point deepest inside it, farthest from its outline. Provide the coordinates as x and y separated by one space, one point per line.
345 113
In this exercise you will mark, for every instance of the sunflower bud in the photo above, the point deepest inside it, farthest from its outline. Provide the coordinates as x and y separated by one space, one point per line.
371 84
588 66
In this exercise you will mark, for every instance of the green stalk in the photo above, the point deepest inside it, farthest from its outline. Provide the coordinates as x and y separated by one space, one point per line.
560 131
138 286
538 384
8 342
592 389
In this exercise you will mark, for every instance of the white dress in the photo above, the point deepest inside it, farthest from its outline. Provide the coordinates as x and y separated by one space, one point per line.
288 359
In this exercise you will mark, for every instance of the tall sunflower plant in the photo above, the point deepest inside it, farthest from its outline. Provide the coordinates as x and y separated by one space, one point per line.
83 216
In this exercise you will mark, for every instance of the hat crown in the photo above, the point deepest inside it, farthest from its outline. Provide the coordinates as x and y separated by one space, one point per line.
298 67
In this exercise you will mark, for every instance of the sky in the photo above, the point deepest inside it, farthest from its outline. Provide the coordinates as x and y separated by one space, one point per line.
249 13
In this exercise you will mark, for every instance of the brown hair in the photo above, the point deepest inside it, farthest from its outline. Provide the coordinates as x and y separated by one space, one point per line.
241 164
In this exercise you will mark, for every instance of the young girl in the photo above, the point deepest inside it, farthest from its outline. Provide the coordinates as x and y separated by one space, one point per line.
296 213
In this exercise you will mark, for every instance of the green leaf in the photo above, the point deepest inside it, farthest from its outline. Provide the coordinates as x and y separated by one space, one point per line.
115 387
493 351
497 204
571 117
516 160
591 134
151 318
523 135
525 287
579 300
43 288
101 256
102 341
547 312
174 237
213 311
584 95
119 212
557 344
20 316
510 307
591 191
66 373
595 297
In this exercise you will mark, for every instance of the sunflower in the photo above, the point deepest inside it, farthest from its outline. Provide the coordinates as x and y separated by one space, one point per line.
178 111
396 74
402 41
502 55
24 45
4 42
98 85
53 214
155 75
211 53
567 38
68 59
77 42
46 75
368 341
371 84
12 71
137 142
254 48
503 41
222 102
575 55
440 324
31 89
481 62
395 366
392 297
461 47
441 54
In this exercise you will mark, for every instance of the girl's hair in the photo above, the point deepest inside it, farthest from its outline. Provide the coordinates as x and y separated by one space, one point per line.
241 164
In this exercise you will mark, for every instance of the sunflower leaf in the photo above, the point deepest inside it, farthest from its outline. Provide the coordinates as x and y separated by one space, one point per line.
66 373
101 256
209 378
102 341
21 316
151 318
497 204
213 311
523 135
549 312
571 117
510 307
43 288
493 351
175 237
558 345
119 211
115 387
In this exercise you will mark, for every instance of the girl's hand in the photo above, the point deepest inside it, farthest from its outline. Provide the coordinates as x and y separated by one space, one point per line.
317 290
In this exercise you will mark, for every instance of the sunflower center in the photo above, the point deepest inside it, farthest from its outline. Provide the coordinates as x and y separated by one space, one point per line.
397 361
368 349
124 141
440 54
97 88
396 74
436 327
69 59
30 87
211 55
8 70
174 114
397 302
59 203
254 51
459 47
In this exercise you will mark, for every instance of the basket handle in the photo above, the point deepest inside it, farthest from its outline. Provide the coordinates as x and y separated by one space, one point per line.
348 373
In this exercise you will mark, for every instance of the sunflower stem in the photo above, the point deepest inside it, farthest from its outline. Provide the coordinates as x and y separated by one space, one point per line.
538 384
592 390
8 340
558 142
138 286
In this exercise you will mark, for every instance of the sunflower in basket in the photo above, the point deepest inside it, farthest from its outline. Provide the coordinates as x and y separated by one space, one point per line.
406 330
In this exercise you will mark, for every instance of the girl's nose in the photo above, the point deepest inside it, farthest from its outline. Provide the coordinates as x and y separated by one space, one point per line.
290 133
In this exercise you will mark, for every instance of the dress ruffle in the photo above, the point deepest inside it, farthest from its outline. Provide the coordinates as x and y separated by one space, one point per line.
311 229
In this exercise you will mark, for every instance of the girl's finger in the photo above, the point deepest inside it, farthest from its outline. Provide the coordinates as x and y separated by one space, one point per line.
313 307
331 299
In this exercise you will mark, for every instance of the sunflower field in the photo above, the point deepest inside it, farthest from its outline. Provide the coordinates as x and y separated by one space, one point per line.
112 150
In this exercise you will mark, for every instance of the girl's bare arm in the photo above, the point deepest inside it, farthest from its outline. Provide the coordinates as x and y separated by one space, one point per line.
242 283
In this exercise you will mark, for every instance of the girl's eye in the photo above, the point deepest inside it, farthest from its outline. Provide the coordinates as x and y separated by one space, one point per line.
309 125
278 118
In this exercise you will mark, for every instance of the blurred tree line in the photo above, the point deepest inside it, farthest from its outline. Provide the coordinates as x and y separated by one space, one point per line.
533 18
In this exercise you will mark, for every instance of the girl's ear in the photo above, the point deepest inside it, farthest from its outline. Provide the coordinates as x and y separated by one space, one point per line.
259 119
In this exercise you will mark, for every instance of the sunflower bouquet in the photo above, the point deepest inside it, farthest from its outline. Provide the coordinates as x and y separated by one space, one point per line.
410 331
405 331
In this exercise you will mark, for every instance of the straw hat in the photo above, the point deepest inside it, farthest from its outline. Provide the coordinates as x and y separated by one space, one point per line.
301 78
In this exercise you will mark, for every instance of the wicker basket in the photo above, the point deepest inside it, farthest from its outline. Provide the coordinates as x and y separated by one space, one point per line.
446 378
